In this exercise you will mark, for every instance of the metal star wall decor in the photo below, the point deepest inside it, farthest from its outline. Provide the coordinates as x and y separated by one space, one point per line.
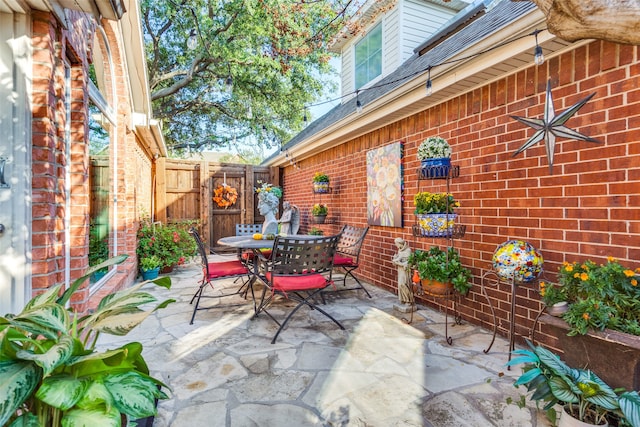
552 126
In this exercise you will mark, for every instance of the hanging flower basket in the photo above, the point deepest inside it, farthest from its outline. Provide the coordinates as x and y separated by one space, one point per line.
436 225
225 196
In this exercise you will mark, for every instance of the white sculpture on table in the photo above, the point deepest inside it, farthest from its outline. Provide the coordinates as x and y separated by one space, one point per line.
268 200
290 219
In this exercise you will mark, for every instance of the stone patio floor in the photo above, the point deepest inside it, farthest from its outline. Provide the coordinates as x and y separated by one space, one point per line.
379 372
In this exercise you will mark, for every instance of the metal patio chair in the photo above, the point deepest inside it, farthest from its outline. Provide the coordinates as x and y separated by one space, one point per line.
299 269
348 255
213 271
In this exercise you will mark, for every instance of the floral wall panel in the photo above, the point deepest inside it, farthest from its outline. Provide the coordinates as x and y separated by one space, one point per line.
384 186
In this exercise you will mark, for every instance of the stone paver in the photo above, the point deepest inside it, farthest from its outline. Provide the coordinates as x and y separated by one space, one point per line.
379 372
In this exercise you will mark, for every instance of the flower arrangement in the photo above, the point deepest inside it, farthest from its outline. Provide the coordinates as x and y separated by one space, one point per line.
442 266
266 188
225 195
429 203
599 295
434 147
171 243
320 177
150 263
319 209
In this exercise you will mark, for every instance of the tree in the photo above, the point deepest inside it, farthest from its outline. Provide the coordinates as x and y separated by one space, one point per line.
250 68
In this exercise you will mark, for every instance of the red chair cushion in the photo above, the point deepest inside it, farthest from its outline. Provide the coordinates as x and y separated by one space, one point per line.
342 260
226 268
294 283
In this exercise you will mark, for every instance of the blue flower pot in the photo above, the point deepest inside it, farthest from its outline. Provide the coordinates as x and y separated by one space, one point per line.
436 168
150 274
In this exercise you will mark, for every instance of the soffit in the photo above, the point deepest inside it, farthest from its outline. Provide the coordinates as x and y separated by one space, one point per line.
448 82
109 9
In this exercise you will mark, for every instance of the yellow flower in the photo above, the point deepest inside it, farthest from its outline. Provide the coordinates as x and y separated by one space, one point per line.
584 277
542 284
611 259
576 275
634 282
585 316
569 268
629 273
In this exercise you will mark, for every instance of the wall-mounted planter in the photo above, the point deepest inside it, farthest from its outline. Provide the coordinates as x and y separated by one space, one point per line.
613 356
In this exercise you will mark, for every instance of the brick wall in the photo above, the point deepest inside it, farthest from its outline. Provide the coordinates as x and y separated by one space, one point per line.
588 208
52 45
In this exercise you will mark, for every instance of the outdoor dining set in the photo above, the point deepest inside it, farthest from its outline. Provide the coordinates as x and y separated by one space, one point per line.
296 267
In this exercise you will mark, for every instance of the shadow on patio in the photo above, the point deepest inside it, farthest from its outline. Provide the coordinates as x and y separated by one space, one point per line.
223 371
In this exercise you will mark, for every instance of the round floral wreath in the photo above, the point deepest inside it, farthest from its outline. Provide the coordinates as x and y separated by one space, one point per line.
225 195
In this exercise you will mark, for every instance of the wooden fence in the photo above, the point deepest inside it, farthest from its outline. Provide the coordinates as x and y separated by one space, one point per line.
184 191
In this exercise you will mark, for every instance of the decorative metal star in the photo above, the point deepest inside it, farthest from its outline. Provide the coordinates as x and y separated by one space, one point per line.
552 126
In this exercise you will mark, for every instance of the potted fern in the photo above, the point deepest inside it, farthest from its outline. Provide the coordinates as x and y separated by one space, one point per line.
439 271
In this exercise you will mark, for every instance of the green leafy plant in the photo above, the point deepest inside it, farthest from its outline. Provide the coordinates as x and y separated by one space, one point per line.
150 263
430 203
320 177
98 247
315 231
442 266
171 243
584 395
319 209
599 295
51 373
434 147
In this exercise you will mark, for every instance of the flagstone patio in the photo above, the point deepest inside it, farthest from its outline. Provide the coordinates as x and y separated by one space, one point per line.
381 371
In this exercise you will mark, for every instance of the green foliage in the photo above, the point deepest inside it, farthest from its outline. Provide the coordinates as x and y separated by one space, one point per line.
150 263
320 177
429 203
599 295
587 397
51 373
171 243
443 266
275 54
98 246
315 231
319 209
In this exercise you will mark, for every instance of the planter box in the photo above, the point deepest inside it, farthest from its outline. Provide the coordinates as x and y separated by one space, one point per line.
613 356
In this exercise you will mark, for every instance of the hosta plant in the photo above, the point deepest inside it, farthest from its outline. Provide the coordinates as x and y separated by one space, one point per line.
51 373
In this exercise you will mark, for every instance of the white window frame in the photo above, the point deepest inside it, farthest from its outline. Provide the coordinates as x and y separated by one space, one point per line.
366 39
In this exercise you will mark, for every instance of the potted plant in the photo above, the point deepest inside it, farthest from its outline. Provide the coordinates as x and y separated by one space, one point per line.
440 270
602 317
582 394
315 231
51 373
319 212
150 267
435 213
434 154
320 183
171 243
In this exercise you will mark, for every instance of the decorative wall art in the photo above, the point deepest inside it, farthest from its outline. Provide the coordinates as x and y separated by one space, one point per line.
384 185
552 126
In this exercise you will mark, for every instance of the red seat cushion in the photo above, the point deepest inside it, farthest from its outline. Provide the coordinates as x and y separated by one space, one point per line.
226 268
302 282
342 260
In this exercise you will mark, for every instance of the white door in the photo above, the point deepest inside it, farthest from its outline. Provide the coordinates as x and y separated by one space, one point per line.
15 162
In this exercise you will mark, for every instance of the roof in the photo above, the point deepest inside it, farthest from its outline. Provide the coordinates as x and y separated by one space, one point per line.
493 20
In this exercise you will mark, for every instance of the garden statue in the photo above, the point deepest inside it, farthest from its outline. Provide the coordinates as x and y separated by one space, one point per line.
290 219
401 259
268 206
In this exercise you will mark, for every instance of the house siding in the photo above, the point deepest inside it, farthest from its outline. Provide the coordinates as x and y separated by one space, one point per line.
588 209
420 22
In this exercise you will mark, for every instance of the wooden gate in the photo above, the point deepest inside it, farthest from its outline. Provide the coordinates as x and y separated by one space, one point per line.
185 189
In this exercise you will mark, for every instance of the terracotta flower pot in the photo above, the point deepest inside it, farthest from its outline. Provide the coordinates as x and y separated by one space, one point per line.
433 287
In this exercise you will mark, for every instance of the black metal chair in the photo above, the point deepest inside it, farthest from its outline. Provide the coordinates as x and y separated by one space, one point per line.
249 230
298 269
212 271
348 255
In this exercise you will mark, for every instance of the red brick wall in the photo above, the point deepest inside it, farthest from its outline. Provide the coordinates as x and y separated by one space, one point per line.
588 208
51 45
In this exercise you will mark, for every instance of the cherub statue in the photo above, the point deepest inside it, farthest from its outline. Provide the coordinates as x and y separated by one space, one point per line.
290 219
401 259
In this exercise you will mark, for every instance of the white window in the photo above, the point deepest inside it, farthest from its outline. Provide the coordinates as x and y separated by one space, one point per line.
368 57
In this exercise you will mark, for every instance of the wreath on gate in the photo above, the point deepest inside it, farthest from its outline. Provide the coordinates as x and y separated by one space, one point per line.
225 195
